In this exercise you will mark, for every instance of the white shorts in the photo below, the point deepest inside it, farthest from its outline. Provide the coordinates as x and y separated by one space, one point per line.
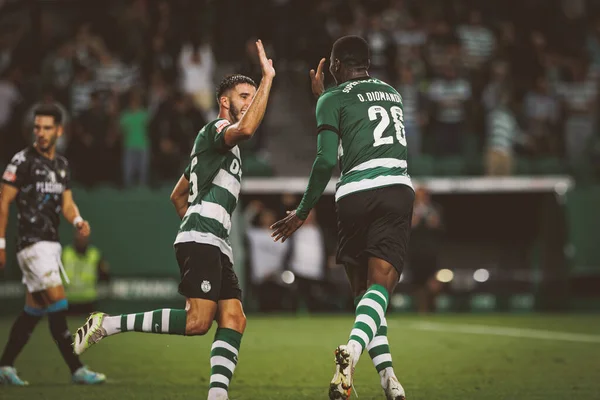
41 265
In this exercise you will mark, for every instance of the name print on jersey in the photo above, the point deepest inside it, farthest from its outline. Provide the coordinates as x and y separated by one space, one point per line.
379 96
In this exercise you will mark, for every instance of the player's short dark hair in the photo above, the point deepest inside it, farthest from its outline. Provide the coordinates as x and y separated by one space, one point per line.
352 51
49 110
231 81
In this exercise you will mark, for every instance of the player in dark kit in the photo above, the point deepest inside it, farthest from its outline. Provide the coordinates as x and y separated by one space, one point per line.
38 179
360 123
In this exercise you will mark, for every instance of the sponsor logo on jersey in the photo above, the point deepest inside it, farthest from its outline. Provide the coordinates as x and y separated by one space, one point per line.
220 125
351 85
10 174
49 187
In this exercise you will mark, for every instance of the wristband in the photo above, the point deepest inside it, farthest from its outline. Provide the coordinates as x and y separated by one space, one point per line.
2 243
77 220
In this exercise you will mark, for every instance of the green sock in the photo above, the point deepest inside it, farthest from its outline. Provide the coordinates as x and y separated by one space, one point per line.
369 314
223 358
165 320
379 349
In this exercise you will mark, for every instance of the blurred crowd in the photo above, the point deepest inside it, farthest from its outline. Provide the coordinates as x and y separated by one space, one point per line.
489 84
302 273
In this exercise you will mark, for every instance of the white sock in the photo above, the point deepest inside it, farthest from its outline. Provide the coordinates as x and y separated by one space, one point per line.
217 394
385 374
355 350
112 325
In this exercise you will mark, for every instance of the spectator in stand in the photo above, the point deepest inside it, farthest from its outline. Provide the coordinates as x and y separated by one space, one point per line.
82 88
478 41
58 70
172 132
96 139
579 96
500 80
414 110
450 98
197 65
542 120
161 59
134 121
412 37
382 49
502 134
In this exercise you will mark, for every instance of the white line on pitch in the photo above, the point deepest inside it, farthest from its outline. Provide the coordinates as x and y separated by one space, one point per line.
504 331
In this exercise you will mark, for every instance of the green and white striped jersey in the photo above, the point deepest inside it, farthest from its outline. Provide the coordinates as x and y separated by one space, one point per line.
215 173
367 115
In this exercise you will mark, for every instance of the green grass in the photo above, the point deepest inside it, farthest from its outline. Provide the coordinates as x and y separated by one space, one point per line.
292 358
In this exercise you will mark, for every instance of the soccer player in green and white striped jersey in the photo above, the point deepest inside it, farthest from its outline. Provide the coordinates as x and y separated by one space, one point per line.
360 125
205 197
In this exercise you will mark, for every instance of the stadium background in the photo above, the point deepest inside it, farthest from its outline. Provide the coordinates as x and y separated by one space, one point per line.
456 63
520 77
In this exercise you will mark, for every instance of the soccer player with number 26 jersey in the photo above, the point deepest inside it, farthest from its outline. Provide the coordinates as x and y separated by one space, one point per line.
360 124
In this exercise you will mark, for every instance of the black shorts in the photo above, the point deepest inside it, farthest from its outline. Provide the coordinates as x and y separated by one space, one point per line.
206 273
375 223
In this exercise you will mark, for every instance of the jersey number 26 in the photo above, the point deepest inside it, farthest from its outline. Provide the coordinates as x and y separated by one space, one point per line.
378 112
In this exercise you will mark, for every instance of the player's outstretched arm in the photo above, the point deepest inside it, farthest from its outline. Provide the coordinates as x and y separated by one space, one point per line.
244 129
179 196
7 194
71 213
327 144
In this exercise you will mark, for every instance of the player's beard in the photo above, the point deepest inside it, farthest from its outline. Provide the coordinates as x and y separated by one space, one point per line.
234 113
49 145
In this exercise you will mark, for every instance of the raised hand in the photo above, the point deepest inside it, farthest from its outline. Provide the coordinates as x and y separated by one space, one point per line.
266 64
317 79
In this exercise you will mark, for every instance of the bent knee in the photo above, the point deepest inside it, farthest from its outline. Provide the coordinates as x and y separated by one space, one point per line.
235 321
196 326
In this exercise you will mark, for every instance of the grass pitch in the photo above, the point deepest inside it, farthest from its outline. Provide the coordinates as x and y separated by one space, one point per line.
447 357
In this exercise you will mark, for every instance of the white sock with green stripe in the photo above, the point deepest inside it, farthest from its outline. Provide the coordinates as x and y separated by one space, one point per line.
166 320
379 350
223 359
370 312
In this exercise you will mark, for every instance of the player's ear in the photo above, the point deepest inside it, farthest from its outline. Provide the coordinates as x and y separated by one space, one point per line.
224 102
59 130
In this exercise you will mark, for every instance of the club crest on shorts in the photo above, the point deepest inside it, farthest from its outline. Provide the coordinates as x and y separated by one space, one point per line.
205 286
